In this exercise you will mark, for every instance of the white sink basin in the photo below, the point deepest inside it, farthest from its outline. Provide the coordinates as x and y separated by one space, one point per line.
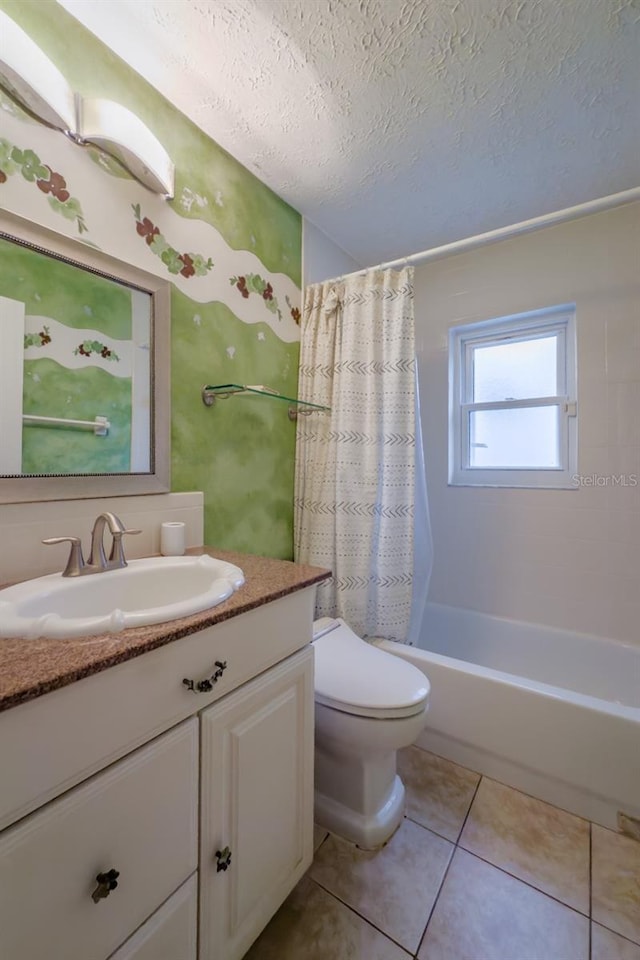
144 592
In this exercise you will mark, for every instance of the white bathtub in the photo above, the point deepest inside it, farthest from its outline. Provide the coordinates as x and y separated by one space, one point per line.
554 713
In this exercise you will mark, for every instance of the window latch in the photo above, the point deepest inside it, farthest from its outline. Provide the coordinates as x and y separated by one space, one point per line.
571 408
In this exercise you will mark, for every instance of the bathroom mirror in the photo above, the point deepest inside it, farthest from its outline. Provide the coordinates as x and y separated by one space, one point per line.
84 370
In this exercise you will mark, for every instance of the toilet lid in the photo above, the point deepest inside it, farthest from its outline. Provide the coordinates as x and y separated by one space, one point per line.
356 677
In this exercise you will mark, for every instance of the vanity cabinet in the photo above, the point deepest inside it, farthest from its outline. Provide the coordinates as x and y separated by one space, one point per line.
200 799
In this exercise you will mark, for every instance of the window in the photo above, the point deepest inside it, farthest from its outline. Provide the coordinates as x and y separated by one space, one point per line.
512 393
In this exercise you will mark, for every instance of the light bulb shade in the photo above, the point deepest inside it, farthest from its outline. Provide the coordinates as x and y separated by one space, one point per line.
46 93
119 132
32 79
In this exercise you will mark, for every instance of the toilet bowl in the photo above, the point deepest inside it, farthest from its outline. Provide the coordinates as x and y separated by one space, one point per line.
369 704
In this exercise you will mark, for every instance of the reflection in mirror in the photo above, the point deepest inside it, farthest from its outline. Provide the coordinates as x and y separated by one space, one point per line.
84 340
83 368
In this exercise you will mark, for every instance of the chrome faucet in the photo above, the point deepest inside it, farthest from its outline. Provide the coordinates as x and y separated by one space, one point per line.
97 563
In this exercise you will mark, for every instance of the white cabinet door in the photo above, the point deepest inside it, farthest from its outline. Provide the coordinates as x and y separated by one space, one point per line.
171 933
256 804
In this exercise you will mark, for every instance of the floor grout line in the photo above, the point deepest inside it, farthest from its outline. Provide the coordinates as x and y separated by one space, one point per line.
446 872
441 836
515 876
362 917
527 883
435 902
635 943
468 813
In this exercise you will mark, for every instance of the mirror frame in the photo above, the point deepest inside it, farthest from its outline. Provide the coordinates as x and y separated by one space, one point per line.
24 489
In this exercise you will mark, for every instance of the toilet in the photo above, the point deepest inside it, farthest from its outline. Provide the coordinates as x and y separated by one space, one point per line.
369 704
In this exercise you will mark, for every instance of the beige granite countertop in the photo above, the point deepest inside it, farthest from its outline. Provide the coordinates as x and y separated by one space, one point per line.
30 668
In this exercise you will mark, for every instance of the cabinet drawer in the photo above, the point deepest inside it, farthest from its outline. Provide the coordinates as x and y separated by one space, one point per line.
139 817
128 704
171 933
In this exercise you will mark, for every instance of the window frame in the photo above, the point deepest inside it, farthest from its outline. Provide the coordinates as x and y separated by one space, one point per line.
463 341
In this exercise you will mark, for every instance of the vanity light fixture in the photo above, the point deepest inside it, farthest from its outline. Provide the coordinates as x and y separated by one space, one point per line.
47 96
122 134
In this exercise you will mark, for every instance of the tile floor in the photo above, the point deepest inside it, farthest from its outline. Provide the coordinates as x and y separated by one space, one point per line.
477 871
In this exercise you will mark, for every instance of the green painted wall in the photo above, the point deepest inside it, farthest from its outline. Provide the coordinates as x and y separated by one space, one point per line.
240 453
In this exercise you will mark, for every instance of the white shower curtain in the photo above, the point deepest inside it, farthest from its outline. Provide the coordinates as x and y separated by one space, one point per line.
355 466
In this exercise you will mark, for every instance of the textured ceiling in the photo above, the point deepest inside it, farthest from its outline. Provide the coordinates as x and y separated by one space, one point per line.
398 125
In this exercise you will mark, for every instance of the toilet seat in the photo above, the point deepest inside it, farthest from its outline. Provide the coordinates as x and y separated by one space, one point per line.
357 678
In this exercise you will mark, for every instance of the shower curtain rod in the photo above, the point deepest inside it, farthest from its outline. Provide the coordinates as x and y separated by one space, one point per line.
502 233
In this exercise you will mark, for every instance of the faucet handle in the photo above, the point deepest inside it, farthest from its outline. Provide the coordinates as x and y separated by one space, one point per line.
116 557
75 563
